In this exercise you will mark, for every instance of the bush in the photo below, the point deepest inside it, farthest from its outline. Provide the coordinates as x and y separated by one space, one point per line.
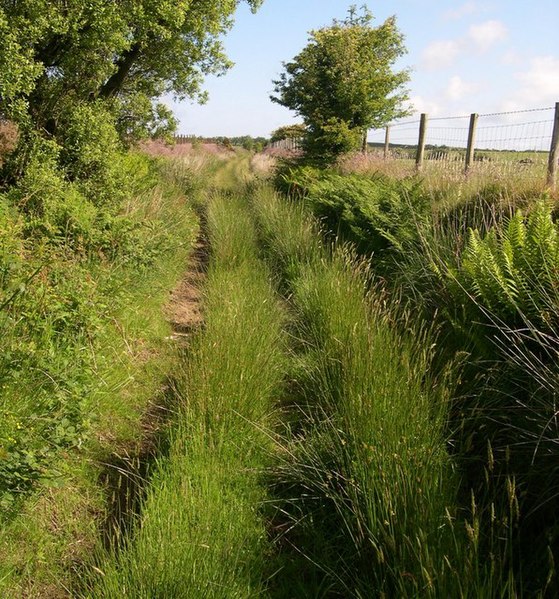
333 139
53 207
376 214
91 153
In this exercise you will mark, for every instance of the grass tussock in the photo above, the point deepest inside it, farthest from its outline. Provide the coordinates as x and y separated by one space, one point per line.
202 531
369 489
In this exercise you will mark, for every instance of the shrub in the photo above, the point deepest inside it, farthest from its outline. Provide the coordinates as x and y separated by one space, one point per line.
91 153
333 138
376 214
53 207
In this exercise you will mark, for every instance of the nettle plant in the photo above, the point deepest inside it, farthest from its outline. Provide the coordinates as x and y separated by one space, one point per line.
513 270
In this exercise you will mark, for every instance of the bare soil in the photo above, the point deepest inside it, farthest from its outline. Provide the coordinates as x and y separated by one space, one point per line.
184 309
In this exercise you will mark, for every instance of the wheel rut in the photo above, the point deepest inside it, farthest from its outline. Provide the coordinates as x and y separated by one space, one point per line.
125 474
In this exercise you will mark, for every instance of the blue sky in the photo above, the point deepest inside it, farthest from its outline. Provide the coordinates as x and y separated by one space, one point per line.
466 56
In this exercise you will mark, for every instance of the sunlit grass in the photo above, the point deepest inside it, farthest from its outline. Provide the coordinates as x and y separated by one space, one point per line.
370 492
202 531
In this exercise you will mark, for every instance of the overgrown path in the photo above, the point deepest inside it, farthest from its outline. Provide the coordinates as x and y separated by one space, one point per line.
307 456
200 531
126 474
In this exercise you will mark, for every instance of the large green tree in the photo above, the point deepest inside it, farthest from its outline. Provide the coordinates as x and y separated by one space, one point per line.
344 83
122 53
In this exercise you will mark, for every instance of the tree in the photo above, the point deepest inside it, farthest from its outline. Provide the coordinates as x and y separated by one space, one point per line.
296 131
125 54
343 83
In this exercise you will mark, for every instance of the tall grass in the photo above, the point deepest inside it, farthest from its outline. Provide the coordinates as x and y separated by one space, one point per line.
478 268
202 532
80 395
447 178
370 492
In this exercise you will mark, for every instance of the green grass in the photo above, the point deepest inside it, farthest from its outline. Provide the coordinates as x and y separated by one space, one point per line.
202 531
484 294
313 448
120 367
370 490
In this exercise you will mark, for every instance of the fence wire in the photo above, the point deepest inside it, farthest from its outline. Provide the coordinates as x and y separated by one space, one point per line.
504 142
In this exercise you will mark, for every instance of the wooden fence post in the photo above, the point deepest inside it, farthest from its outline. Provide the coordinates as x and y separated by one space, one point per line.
471 141
553 151
421 143
386 141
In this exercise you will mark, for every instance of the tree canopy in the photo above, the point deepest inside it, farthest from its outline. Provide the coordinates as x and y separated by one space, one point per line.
344 83
124 54
296 131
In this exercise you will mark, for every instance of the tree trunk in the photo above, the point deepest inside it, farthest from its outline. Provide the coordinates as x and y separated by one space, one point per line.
114 84
364 146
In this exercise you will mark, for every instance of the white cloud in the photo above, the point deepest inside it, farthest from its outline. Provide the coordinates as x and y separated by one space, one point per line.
441 54
458 89
538 86
487 34
512 58
420 104
464 10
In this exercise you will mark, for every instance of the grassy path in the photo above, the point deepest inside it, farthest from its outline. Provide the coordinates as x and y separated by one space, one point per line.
201 532
308 457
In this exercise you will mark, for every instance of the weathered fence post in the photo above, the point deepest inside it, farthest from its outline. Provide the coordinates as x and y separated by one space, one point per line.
421 143
553 150
386 141
471 141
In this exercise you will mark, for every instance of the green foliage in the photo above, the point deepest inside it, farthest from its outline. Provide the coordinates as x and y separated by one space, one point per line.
83 74
331 139
342 83
376 214
11 243
102 50
73 396
53 207
294 179
89 141
512 271
62 260
141 118
365 487
45 372
289 132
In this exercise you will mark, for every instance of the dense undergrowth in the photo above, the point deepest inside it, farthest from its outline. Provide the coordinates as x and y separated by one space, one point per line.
83 349
482 270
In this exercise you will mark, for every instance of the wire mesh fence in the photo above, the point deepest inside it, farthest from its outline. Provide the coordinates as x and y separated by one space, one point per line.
518 143
289 144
